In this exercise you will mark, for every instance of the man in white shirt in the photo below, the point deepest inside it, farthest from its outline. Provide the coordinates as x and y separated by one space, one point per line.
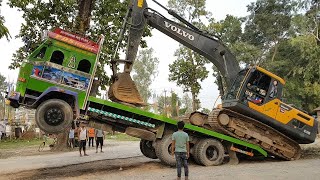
99 139
83 136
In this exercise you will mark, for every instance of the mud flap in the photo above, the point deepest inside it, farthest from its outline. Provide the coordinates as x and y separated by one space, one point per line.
125 90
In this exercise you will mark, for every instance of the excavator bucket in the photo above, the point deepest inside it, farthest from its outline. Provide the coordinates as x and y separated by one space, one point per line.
124 90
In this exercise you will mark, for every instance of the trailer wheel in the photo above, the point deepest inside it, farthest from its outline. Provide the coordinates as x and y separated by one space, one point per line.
147 149
195 149
163 150
54 115
210 152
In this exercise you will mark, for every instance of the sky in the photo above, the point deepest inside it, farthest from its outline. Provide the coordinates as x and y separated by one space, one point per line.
163 46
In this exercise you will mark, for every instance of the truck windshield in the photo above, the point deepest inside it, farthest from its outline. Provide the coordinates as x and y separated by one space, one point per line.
233 91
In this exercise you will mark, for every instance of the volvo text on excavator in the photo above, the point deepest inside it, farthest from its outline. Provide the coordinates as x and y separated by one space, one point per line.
252 109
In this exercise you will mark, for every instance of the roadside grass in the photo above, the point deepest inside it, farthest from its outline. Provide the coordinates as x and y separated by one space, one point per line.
18 143
121 137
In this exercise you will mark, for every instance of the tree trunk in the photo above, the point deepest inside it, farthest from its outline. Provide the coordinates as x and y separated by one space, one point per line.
84 15
194 102
62 140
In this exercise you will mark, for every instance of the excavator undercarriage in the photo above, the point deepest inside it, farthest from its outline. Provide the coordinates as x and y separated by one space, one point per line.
248 129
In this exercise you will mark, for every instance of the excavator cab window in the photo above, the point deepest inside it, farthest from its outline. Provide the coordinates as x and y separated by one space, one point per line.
235 88
257 87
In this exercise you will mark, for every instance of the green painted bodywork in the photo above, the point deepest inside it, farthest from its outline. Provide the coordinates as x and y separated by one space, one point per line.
41 85
174 122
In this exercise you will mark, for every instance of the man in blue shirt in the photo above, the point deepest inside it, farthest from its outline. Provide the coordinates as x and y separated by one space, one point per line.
181 149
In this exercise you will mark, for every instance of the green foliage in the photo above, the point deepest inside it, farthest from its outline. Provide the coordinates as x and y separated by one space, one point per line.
298 62
175 104
4 32
106 18
145 70
190 10
188 71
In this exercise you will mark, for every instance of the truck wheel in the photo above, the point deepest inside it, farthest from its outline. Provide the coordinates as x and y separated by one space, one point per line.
163 150
195 149
54 115
147 149
210 152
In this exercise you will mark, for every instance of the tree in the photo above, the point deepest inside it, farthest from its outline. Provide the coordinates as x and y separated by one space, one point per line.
186 104
4 32
268 23
145 70
188 69
163 104
175 104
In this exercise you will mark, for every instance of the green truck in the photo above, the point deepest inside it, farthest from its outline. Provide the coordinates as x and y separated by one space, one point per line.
57 80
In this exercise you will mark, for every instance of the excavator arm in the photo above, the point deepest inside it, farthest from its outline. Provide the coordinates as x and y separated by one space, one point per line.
123 88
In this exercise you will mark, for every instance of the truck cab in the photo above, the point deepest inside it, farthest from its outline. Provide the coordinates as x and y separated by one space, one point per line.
61 67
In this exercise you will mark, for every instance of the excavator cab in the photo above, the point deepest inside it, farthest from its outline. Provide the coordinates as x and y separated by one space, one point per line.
257 93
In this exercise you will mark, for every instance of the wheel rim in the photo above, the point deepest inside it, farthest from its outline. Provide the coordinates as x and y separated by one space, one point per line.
54 116
212 153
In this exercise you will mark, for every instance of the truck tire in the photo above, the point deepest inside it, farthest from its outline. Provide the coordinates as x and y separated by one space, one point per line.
210 152
54 116
194 155
163 150
147 150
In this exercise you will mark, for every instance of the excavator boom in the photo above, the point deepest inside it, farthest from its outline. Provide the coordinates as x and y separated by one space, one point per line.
188 35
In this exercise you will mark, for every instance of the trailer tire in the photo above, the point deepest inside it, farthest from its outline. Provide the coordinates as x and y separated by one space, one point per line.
54 116
163 150
210 152
194 155
147 149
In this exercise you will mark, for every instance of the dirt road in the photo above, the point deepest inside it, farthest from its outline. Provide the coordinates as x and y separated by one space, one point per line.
117 163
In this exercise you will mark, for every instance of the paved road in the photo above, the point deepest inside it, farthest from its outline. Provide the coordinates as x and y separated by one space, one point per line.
112 150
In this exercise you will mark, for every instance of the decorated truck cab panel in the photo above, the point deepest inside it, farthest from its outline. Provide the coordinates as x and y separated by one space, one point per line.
63 60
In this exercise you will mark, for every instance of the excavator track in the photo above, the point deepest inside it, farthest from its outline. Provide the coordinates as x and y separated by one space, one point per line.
248 129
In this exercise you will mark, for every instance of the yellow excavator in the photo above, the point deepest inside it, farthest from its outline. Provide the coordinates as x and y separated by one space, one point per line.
252 109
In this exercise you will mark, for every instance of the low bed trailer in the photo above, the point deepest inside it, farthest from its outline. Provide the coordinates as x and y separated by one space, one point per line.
207 147
58 80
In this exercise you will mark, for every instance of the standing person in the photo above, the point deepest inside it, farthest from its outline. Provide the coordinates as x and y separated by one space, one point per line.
83 136
99 139
91 136
181 149
71 137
